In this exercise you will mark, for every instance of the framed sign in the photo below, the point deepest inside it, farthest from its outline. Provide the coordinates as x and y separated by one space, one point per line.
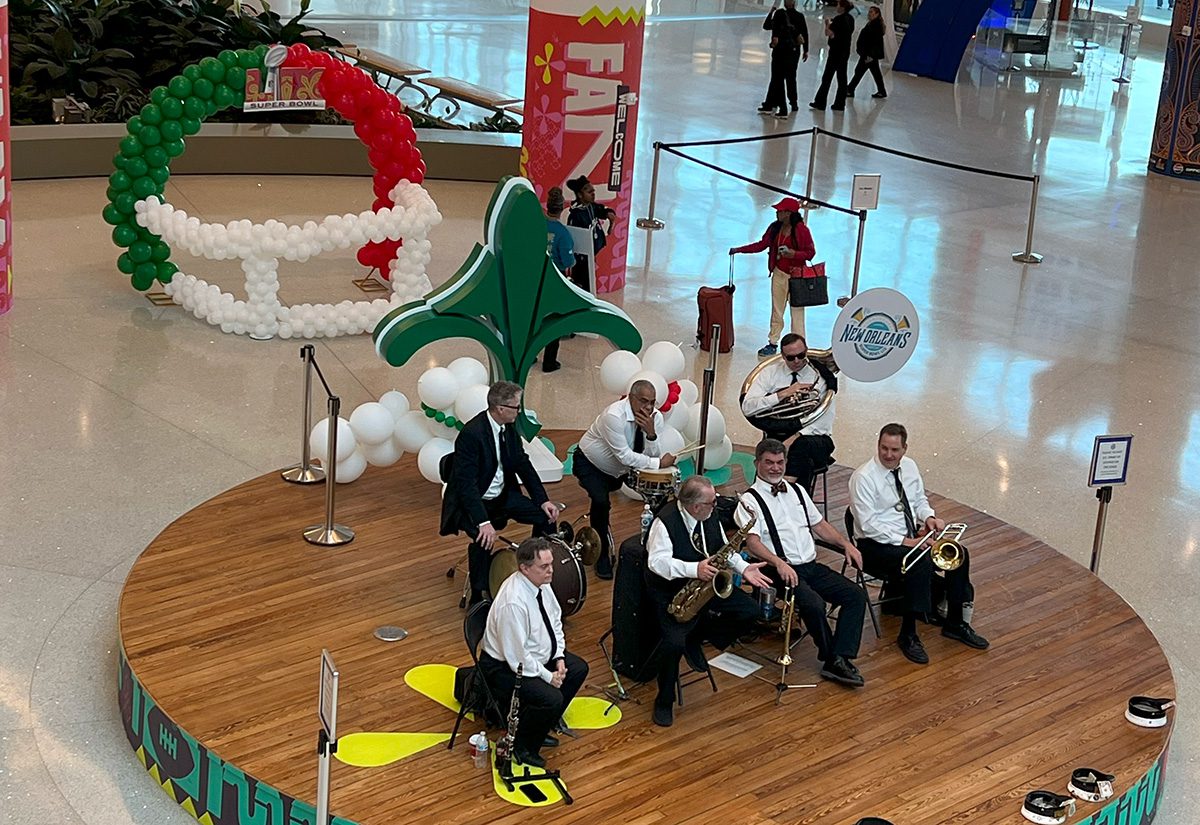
865 192
1110 460
327 702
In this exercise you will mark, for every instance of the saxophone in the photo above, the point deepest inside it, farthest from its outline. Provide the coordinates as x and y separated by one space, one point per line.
689 601
504 748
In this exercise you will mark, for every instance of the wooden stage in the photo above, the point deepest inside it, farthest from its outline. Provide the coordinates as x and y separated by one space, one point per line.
223 618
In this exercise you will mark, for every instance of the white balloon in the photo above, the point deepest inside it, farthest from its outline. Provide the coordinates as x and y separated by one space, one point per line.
318 440
470 402
677 417
616 370
660 385
353 467
716 426
383 455
666 359
689 393
410 431
396 403
670 440
372 423
718 455
468 371
438 387
430 457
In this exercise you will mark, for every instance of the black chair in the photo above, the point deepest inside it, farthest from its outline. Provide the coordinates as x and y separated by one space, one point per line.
822 473
863 580
477 693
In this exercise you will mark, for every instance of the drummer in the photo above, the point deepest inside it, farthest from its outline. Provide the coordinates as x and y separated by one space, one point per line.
622 439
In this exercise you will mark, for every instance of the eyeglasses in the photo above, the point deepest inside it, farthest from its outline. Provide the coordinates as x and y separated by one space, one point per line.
509 406
799 357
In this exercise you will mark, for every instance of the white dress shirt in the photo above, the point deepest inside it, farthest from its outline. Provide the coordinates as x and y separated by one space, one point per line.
497 486
663 562
608 443
764 394
516 633
789 514
875 502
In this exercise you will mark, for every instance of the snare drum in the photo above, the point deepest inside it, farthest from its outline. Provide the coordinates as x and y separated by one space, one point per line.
657 485
570 578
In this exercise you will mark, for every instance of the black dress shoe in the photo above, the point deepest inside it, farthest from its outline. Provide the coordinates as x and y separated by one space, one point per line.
549 742
879 96
604 567
553 366
913 650
836 108
966 634
842 670
815 106
663 715
694 654
532 760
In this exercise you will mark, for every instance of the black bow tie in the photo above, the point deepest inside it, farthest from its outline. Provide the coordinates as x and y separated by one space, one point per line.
779 487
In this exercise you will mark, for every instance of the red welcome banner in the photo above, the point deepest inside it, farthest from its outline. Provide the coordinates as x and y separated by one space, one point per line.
6 294
582 80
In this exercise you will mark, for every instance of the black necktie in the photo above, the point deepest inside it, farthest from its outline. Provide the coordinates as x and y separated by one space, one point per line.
795 377
909 522
549 628
696 539
500 446
639 439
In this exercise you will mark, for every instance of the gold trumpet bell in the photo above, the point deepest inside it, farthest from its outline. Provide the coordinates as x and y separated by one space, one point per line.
946 555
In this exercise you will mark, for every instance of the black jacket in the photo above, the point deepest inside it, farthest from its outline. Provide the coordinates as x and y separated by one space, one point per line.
841 29
474 468
870 40
790 27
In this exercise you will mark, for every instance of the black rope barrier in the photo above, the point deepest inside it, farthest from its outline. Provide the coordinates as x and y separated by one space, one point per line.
909 155
723 141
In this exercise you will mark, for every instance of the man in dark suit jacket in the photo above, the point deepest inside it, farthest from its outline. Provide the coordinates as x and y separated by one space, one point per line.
484 488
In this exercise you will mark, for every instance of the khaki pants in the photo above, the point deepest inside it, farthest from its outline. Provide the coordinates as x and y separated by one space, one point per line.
779 300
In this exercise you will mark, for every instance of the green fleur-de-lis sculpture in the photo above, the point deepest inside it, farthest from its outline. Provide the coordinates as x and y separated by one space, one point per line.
508 296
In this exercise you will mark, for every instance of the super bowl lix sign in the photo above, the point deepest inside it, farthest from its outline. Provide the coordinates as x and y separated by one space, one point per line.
875 334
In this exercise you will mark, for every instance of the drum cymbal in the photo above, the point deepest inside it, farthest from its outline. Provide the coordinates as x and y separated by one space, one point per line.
587 541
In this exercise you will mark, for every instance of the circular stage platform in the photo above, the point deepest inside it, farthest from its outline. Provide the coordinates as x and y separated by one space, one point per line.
223 618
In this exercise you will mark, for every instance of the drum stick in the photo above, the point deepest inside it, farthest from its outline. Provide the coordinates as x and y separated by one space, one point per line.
688 448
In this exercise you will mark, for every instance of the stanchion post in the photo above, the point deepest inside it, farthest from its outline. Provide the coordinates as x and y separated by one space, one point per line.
1105 496
330 534
304 472
650 222
1028 256
812 168
858 250
706 394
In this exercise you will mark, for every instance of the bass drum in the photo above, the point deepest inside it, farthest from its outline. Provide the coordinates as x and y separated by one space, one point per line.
570 577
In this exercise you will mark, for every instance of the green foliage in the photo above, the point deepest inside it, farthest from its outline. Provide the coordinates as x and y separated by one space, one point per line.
110 54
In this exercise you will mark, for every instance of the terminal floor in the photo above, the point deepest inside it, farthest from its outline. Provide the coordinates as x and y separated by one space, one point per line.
115 416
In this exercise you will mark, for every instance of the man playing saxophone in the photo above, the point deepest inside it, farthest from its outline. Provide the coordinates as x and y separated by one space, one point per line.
680 547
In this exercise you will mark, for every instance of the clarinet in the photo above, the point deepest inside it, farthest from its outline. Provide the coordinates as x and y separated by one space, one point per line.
504 748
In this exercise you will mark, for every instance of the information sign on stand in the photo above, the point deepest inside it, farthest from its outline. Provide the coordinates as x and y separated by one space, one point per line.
327 739
1109 468
865 192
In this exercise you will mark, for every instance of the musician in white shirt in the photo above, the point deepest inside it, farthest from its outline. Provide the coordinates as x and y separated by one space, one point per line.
682 539
524 627
794 374
622 438
891 513
784 535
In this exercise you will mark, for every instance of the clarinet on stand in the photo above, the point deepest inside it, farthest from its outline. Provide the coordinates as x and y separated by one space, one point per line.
504 752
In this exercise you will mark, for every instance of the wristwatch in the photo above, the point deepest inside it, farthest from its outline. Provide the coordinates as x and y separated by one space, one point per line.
652 438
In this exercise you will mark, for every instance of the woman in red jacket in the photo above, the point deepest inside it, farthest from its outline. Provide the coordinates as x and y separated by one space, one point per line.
789 245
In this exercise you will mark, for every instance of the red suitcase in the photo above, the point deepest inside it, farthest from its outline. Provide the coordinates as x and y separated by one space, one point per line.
716 307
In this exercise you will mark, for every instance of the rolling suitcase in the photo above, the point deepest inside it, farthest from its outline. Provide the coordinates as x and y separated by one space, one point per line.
716 307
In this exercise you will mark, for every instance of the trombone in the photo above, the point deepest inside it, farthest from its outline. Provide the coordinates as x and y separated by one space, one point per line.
945 549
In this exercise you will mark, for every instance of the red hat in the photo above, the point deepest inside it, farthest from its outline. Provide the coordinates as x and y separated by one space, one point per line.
788 204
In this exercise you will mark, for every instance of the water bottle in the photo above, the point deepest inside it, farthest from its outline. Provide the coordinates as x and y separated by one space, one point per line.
647 519
481 751
766 602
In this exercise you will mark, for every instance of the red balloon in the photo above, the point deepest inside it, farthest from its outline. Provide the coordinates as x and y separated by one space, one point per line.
380 203
365 131
298 51
418 174
665 407
378 158
384 185
365 256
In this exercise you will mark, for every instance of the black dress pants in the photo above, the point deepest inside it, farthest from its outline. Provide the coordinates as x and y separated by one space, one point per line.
721 622
883 561
805 455
599 486
864 64
509 505
784 63
819 585
541 704
835 65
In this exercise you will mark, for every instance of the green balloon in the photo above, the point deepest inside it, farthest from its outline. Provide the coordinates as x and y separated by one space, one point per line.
171 130
119 161
224 97
125 202
248 59
228 58
150 136
261 50
194 107
158 94
156 157
174 148
180 87
113 216
120 181
151 114
126 264
210 108
160 175
212 69
111 194
202 88
144 188
159 251
141 283
144 274
439 417
172 108
236 79
131 147
166 270
139 251
430 412
192 73
134 124
191 125
450 421
136 168
124 235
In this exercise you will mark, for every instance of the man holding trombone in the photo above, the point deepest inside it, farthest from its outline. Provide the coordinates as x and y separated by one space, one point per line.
901 541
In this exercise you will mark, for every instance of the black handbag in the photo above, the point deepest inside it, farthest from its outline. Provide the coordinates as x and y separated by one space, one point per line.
812 290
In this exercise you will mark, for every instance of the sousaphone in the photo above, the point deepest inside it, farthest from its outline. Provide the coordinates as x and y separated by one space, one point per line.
796 412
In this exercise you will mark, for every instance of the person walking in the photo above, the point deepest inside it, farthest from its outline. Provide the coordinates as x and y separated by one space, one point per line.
840 31
870 52
789 44
788 244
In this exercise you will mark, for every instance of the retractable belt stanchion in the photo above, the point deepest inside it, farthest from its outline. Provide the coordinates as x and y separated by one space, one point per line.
1105 496
858 251
812 168
305 472
650 222
1028 256
330 534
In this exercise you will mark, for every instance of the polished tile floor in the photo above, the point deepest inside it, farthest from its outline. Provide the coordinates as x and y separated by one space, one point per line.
116 416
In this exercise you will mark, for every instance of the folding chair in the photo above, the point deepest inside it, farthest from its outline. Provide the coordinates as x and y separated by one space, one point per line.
474 626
